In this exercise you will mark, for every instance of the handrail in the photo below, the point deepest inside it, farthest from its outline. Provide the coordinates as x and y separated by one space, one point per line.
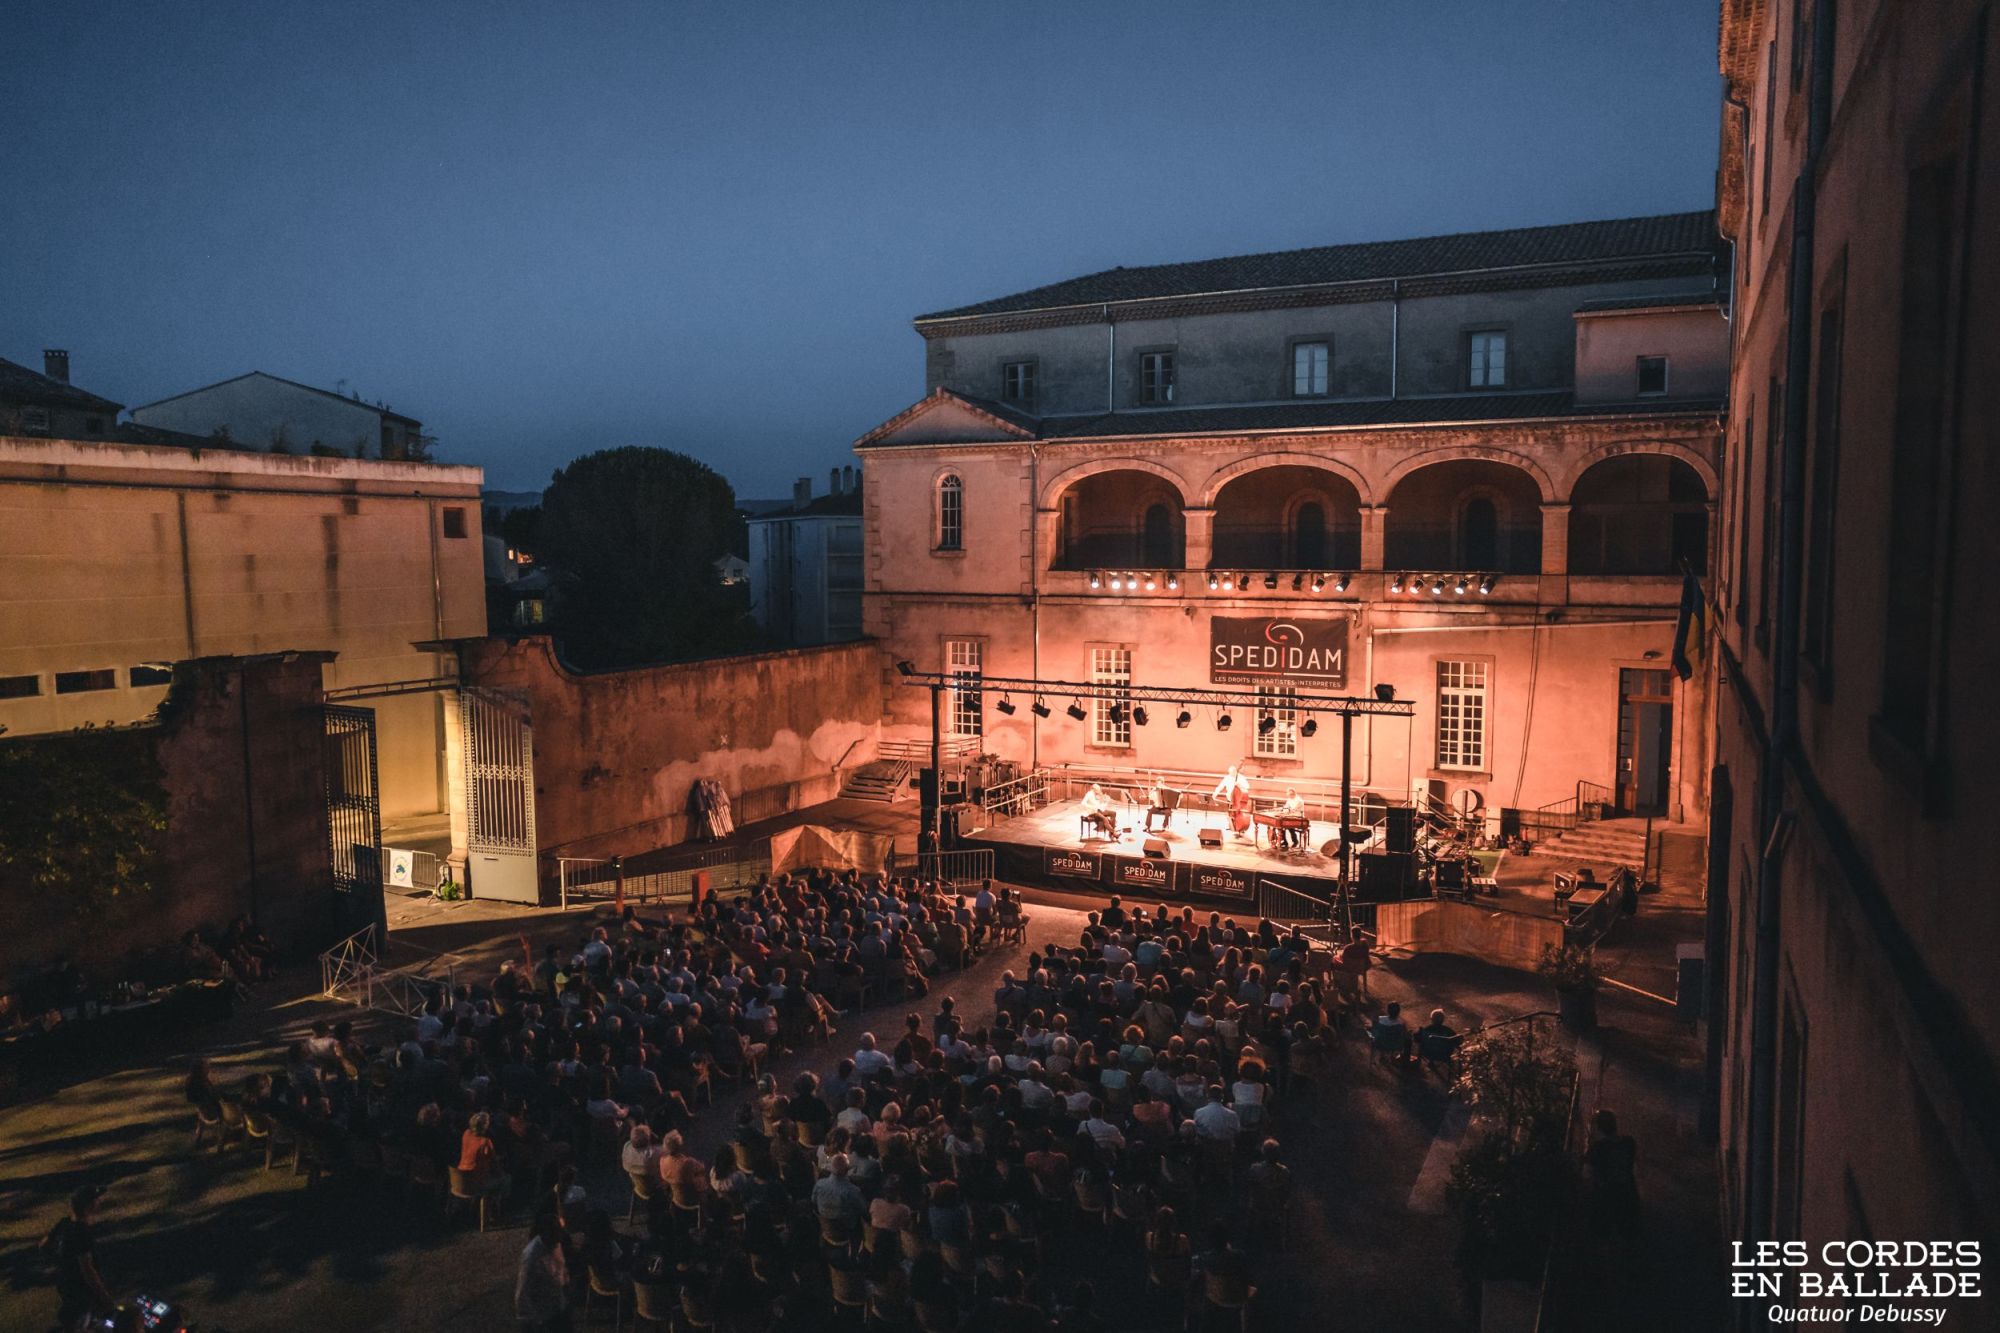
848 751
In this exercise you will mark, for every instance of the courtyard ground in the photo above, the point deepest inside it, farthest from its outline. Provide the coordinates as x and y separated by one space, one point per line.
1370 1244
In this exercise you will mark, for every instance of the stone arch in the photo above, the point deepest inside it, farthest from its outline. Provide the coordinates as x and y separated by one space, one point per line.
1639 512
1222 476
1053 488
1431 503
1693 457
1477 453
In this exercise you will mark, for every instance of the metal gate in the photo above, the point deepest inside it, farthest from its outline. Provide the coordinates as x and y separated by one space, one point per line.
353 801
499 796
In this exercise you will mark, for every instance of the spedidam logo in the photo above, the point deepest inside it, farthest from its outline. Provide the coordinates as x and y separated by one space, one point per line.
1284 631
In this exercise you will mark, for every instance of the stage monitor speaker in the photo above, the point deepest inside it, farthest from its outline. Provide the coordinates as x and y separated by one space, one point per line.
1211 837
1157 847
1402 832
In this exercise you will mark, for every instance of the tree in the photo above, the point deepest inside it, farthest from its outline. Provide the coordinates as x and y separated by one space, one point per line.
634 534
82 817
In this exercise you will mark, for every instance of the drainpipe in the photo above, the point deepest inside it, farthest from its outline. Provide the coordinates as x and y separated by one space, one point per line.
1110 361
1395 336
1774 821
1034 596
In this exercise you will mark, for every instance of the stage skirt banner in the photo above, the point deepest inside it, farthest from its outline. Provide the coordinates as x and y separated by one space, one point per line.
1066 864
1295 651
1220 881
1154 876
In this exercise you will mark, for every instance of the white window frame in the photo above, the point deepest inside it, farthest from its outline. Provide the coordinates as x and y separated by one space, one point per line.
1017 381
1282 703
951 512
1639 375
1157 373
1464 697
1111 665
1483 368
965 708
1313 379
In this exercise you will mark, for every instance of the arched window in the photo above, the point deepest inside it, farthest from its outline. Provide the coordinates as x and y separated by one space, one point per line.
1158 544
1309 536
1479 534
951 513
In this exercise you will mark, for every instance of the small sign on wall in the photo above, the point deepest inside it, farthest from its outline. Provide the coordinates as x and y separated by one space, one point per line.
1073 865
402 867
1278 650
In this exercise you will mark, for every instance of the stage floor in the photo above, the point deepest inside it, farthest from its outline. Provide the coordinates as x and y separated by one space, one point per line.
1053 839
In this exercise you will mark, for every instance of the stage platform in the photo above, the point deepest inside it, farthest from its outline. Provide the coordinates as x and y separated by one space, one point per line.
1049 846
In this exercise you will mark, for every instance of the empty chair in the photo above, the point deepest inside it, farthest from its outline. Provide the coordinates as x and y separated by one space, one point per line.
850 1289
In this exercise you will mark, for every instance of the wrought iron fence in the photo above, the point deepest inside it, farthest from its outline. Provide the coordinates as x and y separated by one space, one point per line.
959 869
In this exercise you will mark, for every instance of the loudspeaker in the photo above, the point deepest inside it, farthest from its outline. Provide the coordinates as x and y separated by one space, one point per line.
1402 831
1157 847
1211 837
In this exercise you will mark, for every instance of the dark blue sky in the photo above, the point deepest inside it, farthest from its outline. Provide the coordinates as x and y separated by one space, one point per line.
548 230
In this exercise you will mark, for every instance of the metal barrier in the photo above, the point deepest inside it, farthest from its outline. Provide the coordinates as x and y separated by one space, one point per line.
1277 902
395 978
959 869
347 970
1019 796
426 869
582 880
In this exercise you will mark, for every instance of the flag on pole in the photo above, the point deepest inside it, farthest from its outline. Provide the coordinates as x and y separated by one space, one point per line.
1690 627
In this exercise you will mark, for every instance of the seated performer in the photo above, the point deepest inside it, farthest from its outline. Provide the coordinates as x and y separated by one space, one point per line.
1158 812
1098 814
1234 789
1293 826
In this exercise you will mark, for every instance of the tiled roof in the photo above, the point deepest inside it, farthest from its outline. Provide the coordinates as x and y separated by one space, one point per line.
1334 414
267 375
1656 301
1566 243
848 502
21 385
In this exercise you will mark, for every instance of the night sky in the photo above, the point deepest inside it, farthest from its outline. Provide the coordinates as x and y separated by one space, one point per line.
549 230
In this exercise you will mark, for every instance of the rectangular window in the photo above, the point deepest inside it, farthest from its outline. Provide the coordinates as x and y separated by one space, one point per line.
85 682
1111 667
34 421
1817 632
142 676
1486 360
1461 720
20 687
1652 375
1156 377
1281 739
1310 363
454 522
964 662
1017 382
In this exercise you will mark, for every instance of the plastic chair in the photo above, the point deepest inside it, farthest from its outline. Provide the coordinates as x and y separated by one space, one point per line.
604 1285
471 1187
651 1304
933 1317
207 1125
642 1192
697 1310
233 1123
849 1290
1229 1295
424 1176
1090 1201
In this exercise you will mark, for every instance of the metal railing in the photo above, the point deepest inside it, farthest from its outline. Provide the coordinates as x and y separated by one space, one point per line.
1559 817
919 751
1018 796
960 869
364 970
583 880
347 970
1321 795
1279 902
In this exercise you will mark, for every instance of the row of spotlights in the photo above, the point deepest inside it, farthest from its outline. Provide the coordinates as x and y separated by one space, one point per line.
1137 715
1133 582
1419 584
1221 580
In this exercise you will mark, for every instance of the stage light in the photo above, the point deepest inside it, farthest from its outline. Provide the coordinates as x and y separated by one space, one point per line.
1173 583
1417 585
1038 708
1131 580
1182 718
1397 585
1116 583
1005 705
1308 727
1139 715
1299 581
1096 580
1319 582
1118 714
1386 693
906 666
1243 580
1486 585
1271 581
1223 721
1266 724
1150 585
1340 584
1213 583
1437 588
1228 583
1459 587
1076 710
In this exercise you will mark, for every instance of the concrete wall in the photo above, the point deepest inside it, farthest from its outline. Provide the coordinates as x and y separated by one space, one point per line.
255 407
617 753
216 812
1511 939
805 577
113 556
1246 356
1886 997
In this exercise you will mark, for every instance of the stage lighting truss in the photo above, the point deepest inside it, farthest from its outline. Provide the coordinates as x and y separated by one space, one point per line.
1129 702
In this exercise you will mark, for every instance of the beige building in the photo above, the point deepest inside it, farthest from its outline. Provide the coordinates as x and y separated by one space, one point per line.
116 561
1855 1049
1472 468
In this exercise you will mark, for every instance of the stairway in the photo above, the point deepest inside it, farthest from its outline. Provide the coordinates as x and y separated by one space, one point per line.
884 780
1614 842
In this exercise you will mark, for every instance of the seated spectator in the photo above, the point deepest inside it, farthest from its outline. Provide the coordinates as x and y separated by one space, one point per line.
836 1199
1215 1122
870 1063
1390 1034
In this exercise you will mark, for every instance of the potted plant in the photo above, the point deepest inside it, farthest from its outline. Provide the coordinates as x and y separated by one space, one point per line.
1573 969
448 891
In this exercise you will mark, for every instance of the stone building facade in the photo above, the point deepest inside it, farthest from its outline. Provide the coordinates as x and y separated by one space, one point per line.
1473 467
1855 1054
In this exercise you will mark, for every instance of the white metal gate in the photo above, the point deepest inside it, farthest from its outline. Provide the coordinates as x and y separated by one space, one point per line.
499 796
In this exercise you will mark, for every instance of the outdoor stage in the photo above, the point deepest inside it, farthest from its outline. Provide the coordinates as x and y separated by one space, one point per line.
1049 846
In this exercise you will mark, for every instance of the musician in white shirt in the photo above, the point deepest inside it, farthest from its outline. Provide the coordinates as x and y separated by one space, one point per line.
1097 812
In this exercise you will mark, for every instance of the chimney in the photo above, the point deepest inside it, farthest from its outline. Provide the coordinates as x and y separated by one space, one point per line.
802 492
848 481
55 364
833 482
